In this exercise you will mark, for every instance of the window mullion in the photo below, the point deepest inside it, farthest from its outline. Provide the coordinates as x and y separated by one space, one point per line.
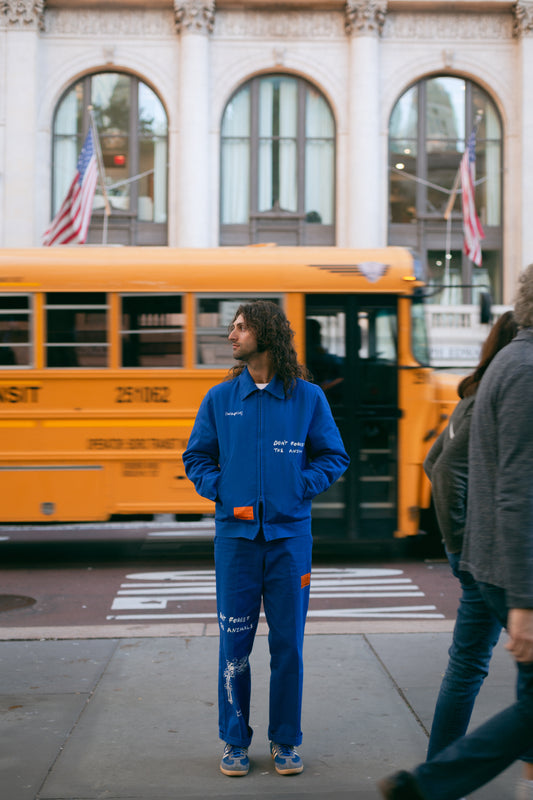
133 152
254 158
422 170
301 143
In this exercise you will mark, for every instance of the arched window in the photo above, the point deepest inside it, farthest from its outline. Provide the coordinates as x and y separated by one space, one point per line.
277 164
132 129
429 127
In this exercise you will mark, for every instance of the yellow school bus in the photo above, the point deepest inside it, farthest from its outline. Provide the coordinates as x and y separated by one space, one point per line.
106 353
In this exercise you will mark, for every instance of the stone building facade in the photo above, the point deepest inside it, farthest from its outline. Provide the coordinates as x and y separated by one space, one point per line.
297 121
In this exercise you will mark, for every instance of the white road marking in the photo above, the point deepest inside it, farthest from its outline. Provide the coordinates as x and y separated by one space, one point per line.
155 591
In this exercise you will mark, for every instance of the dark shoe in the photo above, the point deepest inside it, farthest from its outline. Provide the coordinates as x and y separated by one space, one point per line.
400 786
235 761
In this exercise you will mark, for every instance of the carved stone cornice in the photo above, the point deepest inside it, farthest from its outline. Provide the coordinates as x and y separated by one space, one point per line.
194 16
440 27
292 24
523 18
113 23
364 17
25 14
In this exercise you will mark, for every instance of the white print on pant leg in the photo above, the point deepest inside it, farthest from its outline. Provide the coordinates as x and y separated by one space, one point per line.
235 624
236 667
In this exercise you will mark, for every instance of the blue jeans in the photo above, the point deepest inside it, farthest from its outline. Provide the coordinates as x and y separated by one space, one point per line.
475 759
475 635
278 573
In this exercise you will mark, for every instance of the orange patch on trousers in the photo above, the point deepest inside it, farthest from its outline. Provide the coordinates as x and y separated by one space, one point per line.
243 512
306 580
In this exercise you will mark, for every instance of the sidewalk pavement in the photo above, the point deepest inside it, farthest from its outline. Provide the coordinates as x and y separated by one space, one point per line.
134 717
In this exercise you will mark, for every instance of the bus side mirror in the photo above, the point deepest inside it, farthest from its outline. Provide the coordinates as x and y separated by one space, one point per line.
485 308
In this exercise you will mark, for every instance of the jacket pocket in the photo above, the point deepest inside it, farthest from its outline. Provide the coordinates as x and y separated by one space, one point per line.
285 496
224 502
236 498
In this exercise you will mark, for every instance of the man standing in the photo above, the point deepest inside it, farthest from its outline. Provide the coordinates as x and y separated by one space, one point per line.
498 553
264 443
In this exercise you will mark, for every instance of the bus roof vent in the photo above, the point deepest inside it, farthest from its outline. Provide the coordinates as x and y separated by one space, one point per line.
371 270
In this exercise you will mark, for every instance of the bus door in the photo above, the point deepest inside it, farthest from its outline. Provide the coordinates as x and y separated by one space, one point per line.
351 351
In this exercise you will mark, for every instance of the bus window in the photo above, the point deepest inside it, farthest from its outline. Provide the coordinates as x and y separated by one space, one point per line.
76 329
419 336
214 315
15 345
152 330
325 354
378 334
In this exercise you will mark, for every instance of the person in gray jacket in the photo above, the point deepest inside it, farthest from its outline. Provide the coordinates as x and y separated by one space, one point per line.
477 629
498 553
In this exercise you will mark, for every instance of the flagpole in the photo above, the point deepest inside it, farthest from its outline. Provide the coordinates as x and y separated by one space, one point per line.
448 218
453 195
101 172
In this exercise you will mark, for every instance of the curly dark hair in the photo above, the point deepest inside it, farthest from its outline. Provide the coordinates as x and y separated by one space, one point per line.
273 332
523 308
502 332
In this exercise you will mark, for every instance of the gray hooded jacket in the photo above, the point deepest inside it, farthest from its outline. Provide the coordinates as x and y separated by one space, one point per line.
498 542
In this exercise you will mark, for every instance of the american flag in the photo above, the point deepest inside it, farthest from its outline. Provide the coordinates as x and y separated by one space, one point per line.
473 231
71 222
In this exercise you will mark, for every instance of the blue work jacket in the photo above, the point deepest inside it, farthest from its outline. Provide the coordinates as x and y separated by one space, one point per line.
262 456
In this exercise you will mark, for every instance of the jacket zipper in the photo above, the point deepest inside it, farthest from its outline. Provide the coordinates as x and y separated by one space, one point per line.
261 506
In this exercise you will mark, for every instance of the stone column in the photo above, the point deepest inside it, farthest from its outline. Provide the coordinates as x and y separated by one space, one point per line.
523 31
194 22
366 197
23 19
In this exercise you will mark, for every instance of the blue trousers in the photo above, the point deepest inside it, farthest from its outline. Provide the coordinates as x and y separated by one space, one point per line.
475 759
475 635
278 574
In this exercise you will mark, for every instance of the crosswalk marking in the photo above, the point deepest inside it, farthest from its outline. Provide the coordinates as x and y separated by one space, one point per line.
163 593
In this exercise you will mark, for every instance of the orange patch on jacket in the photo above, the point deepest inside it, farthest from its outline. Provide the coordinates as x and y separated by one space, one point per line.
306 580
243 512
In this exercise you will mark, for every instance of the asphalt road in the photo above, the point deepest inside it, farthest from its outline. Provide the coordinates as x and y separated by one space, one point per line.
153 575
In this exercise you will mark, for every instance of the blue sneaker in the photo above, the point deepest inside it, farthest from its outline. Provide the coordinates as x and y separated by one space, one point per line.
235 760
286 759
